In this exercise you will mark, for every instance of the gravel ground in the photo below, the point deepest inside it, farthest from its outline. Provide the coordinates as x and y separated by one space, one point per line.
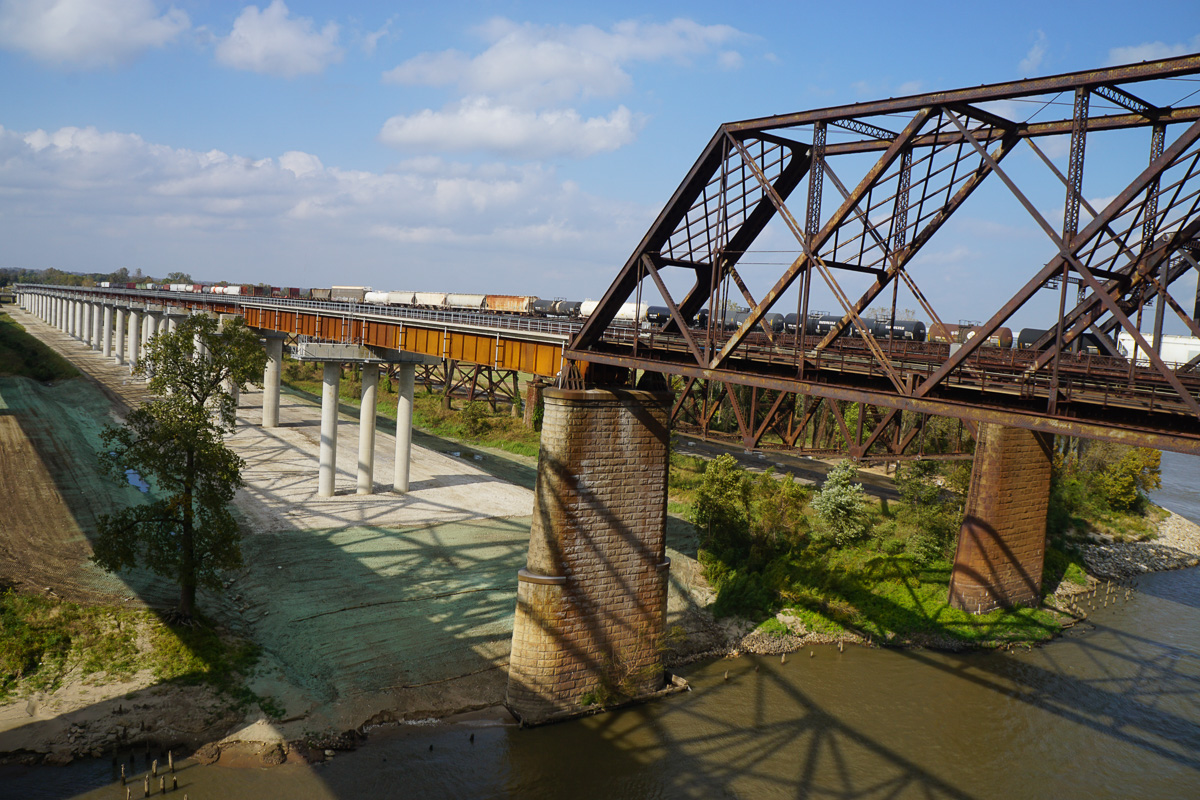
1177 546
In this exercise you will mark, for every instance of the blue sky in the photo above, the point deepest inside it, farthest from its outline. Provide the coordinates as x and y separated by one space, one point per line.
513 147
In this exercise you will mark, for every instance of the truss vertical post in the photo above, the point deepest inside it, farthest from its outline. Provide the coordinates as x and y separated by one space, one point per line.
1070 226
812 226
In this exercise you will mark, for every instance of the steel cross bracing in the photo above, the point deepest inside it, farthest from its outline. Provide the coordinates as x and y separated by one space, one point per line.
875 198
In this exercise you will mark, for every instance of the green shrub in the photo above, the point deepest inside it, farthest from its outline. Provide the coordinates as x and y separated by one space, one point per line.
721 511
839 506
475 418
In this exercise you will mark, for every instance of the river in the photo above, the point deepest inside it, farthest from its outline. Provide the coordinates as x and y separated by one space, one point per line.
1109 710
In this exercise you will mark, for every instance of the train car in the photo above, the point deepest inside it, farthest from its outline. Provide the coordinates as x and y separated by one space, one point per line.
105 284
321 294
376 298
288 291
429 299
556 308
628 312
348 294
1087 343
1174 350
909 330
511 303
467 302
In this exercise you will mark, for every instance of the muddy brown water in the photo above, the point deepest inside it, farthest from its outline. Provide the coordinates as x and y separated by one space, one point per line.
1109 710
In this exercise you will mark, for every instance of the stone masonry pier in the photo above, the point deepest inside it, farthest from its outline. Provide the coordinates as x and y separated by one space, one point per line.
1002 543
591 602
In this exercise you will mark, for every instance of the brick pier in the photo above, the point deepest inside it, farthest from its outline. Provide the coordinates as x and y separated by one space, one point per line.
591 602
1002 543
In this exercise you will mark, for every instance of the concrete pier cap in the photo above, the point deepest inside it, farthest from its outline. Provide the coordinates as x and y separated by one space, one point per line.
333 355
591 601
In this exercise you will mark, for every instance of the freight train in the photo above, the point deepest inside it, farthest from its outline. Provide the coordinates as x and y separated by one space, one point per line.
818 324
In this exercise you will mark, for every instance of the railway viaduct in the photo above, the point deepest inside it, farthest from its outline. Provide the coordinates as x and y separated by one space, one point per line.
591 599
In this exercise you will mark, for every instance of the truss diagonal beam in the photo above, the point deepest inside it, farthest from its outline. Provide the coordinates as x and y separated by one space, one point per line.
811 249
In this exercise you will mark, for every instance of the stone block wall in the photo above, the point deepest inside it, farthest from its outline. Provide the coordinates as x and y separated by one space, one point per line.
591 602
1001 546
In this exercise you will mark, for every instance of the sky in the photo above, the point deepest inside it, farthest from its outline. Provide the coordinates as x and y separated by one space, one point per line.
518 147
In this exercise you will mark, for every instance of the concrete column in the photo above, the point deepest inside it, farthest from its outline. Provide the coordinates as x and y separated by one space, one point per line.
366 430
119 333
106 331
85 320
404 409
73 320
77 321
97 326
234 390
172 322
271 381
591 601
135 335
1002 542
331 377
146 330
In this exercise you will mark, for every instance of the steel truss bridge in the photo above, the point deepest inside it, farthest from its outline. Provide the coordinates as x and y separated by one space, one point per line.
877 192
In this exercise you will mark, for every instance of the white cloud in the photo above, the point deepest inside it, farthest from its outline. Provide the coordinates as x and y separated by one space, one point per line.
1151 51
87 33
290 219
273 43
1033 59
371 40
535 65
477 124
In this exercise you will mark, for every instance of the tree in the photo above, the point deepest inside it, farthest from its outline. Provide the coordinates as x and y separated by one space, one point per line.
839 504
721 512
177 277
175 442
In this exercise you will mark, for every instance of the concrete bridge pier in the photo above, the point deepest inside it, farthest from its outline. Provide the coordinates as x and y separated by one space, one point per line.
331 378
135 335
1002 543
119 333
366 429
591 601
271 379
404 413
97 325
106 328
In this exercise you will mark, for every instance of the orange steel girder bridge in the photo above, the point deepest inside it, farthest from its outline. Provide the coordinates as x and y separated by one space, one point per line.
498 341
896 172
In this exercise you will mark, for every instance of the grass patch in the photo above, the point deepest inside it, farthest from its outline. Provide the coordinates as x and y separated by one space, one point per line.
21 355
42 640
889 579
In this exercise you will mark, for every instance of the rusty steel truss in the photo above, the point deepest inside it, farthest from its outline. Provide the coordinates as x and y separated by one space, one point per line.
880 179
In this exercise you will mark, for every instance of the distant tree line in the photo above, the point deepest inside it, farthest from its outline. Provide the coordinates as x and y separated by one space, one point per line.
57 277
